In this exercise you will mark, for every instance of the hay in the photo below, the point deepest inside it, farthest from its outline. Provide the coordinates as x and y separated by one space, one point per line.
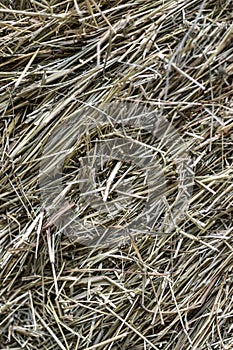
158 290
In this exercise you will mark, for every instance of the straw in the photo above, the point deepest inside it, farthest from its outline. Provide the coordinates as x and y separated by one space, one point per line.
151 289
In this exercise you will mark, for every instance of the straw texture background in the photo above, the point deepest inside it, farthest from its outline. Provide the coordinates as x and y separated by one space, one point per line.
162 291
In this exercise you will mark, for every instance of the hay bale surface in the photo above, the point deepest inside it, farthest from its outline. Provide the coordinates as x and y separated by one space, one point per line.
162 291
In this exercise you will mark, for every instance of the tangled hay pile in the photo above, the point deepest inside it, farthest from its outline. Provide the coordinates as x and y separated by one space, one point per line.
158 289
